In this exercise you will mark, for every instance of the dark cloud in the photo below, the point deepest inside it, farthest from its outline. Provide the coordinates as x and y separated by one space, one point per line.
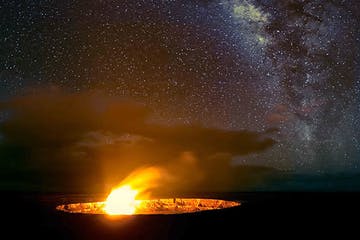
57 119
78 140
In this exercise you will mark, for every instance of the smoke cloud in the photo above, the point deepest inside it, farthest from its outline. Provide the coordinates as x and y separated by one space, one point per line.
90 142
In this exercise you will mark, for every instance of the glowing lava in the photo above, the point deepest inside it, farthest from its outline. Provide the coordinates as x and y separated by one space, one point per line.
153 207
121 201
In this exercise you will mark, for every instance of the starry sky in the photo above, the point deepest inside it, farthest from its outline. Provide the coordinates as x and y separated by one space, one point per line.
233 65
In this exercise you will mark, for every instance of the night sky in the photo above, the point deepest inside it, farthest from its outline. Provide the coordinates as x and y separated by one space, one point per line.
229 65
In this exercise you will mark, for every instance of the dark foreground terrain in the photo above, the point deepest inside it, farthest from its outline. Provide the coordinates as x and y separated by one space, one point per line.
284 215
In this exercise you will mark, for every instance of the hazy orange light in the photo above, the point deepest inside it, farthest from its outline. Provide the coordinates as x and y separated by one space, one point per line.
121 201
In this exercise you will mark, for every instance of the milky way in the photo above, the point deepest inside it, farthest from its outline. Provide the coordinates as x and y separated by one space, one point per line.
291 65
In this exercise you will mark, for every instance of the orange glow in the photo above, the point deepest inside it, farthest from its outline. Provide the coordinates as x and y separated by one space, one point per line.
121 201
124 200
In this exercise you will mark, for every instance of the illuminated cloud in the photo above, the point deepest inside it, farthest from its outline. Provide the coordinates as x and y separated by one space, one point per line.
93 138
